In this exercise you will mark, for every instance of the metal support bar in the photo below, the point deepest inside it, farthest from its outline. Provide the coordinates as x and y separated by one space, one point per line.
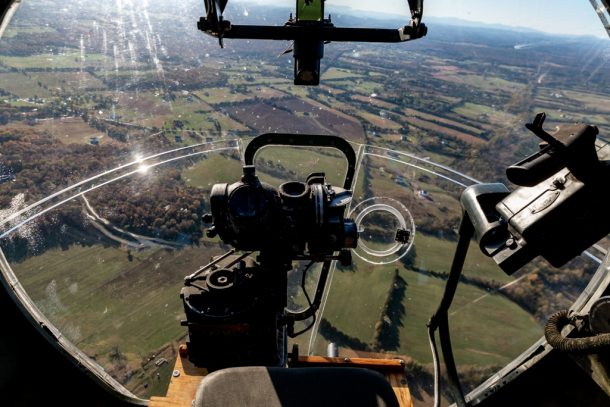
440 319
315 32
305 140
315 305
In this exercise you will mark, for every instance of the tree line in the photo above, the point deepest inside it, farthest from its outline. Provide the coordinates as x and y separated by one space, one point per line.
159 204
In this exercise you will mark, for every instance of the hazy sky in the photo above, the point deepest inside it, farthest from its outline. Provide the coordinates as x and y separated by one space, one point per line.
556 16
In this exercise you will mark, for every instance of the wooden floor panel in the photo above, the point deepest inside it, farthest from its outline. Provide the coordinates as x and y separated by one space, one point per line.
186 378
182 386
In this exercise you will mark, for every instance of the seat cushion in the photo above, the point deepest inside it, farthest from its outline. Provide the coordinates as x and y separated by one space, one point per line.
275 387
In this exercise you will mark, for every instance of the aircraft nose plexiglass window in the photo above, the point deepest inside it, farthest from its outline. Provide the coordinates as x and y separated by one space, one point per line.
117 118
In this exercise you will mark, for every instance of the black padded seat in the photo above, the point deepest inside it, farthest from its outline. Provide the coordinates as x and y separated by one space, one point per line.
294 387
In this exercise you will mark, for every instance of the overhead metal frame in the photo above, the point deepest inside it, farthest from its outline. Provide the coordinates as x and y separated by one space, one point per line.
215 25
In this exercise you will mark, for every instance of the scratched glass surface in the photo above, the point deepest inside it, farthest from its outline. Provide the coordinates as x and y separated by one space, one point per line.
117 118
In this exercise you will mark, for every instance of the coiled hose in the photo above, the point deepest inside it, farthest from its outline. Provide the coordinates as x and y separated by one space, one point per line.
552 333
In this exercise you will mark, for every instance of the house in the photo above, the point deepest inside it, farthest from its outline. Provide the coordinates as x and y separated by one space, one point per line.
424 194
6 177
401 181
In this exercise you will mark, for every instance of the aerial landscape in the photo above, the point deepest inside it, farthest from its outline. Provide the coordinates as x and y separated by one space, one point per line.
116 120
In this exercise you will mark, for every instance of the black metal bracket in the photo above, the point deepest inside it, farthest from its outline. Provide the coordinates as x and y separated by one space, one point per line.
292 317
305 140
294 30
308 35
319 31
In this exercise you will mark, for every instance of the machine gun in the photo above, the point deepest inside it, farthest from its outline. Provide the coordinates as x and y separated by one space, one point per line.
236 305
557 212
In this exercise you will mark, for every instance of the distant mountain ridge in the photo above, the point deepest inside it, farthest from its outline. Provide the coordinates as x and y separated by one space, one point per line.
345 16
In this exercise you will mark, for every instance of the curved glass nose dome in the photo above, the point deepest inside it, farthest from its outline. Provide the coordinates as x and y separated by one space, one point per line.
116 120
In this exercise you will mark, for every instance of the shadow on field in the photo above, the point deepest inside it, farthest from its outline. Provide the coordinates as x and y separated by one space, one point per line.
387 329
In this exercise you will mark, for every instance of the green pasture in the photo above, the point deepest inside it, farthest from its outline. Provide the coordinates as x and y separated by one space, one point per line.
215 168
569 114
298 91
356 299
195 115
250 79
365 87
442 120
595 102
23 86
67 80
70 59
379 121
222 95
489 329
485 115
303 161
13 30
20 103
99 299
103 299
435 254
485 83
486 329
339 73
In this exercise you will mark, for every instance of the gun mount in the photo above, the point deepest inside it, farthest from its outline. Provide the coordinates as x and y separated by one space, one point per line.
309 31
236 305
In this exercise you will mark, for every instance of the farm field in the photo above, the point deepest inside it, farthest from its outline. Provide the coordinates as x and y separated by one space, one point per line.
68 130
215 168
77 289
70 59
356 315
